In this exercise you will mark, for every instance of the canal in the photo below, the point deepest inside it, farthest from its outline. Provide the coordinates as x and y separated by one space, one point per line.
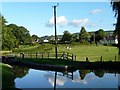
81 78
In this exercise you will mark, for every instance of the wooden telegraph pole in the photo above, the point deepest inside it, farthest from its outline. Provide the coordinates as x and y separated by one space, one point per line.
55 43
55 30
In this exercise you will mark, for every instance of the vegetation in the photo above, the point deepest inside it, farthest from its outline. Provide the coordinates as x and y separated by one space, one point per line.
84 35
93 52
116 8
100 34
13 35
60 62
66 37
7 75
18 39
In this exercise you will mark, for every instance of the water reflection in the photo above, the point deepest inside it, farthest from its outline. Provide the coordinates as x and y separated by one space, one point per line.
32 78
56 79
9 74
20 71
90 80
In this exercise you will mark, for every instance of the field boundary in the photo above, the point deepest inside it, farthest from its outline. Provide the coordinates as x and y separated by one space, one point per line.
43 55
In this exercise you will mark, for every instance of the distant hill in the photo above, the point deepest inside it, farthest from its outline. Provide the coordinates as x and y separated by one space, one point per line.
77 34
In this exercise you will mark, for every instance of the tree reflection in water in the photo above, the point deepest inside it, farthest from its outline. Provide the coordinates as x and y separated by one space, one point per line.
83 73
60 78
20 71
14 72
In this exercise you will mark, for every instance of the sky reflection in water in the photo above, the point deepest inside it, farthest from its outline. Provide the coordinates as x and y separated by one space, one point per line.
45 79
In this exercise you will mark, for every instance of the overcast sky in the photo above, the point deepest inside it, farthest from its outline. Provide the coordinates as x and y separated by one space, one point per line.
37 17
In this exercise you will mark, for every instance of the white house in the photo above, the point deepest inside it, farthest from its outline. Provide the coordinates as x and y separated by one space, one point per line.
110 40
45 41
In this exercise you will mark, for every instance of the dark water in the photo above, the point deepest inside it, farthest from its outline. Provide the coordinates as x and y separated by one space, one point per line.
77 79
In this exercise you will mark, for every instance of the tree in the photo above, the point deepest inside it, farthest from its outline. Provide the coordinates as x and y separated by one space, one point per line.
66 37
83 73
73 37
116 8
21 33
25 35
8 38
13 35
84 35
99 35
99 73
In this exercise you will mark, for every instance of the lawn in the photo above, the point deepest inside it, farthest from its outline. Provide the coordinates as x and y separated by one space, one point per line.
92 52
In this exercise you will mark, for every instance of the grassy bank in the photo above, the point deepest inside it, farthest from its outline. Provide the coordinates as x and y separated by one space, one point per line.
49 61
93 52
7 76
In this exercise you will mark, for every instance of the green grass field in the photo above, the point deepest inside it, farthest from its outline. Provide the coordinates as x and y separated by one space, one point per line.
93 52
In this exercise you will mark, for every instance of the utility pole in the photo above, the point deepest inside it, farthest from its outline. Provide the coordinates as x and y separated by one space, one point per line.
55 42
55 30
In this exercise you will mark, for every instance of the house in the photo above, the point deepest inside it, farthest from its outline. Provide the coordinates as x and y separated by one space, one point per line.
45 40
109 40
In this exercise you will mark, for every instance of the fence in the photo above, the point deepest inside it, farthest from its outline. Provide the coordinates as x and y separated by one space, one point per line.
99 58
45 55
65 56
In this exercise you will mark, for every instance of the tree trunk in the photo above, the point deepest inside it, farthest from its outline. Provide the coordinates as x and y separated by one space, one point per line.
118 29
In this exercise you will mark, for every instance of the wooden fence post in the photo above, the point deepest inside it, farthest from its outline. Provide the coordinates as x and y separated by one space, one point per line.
22 55
87 59
101 59
36 55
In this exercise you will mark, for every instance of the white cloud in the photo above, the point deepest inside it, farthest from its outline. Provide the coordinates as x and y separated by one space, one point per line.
77 79
61 21
59 81
96 11
79 23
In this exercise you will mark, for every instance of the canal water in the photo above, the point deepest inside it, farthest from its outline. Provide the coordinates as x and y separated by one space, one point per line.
32 78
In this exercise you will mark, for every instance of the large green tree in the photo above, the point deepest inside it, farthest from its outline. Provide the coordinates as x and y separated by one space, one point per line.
84 35
116 8
100 34
21 33
74 38
66 36
13 35
8 38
